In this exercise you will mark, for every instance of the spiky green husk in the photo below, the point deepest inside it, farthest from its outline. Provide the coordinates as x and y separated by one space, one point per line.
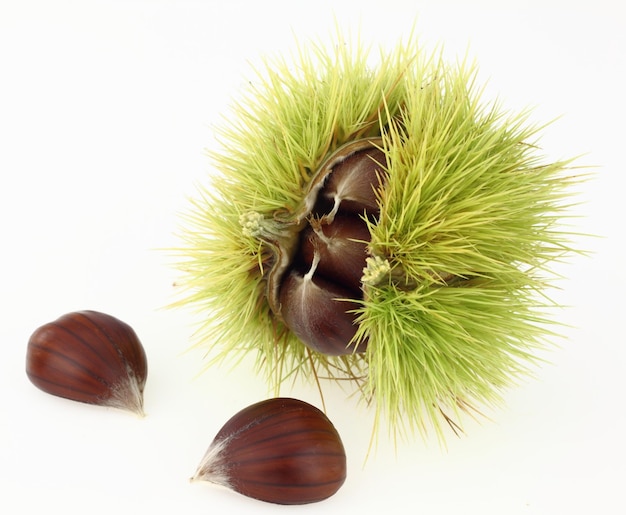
454 304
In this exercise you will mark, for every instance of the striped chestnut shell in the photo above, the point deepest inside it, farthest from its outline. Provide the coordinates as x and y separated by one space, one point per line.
281 450
90 357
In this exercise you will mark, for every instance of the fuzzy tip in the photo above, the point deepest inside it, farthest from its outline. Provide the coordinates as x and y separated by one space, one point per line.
127 395
212 467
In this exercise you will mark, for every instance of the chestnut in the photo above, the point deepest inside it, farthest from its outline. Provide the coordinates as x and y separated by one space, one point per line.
90 357
354 182
281 450
320 313
342 245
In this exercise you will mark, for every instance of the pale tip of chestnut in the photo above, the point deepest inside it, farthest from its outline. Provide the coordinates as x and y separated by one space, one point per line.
211 469
127 395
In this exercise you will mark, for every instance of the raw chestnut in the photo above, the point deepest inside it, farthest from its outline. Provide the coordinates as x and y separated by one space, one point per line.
354 182
281 450
342 247
89 357
321 290
320 313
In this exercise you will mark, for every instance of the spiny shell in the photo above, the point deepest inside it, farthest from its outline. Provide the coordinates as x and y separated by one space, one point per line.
280 450
89 357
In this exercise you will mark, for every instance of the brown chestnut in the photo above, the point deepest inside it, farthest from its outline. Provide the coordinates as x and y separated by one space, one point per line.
90 357
320 313
315 285
354 182
281 450
342 248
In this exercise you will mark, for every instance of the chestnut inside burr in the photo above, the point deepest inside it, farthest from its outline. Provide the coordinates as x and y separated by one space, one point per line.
319 293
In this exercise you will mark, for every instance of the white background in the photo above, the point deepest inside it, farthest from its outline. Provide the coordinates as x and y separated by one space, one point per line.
106 109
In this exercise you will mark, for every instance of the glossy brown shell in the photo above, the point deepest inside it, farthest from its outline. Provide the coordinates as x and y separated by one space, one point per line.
89 357
318 313
281 450
342 250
